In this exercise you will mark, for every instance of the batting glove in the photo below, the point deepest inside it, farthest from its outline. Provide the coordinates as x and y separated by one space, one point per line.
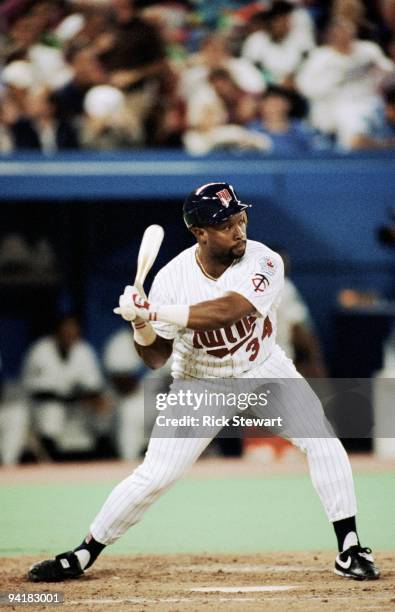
132 305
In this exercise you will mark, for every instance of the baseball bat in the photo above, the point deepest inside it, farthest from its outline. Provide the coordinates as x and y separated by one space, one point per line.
149 249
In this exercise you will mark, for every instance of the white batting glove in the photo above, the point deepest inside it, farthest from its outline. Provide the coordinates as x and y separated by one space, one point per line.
132 305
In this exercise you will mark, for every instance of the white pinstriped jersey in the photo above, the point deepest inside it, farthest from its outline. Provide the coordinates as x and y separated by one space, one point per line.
231 351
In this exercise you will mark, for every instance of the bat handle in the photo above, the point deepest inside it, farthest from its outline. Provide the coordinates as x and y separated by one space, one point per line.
139 286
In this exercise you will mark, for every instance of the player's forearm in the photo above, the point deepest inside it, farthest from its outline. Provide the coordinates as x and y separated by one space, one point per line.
156 354
216 314
205 316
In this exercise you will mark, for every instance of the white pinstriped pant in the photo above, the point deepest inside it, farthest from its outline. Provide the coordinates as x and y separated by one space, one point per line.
167 459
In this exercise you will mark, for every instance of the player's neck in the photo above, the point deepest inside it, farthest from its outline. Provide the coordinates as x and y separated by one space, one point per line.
210 267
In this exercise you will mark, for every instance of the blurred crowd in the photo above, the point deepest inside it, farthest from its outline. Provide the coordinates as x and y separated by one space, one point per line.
278 76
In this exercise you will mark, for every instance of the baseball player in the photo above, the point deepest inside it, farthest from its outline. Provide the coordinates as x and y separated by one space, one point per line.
213 308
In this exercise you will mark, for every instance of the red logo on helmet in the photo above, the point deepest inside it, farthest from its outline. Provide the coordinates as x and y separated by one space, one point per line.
225 197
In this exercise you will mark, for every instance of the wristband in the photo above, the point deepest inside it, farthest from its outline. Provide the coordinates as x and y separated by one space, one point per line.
144 333
177 315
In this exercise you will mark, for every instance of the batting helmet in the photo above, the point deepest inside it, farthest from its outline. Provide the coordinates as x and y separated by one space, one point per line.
212 204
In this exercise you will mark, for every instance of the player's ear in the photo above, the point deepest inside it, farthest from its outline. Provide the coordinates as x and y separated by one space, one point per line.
198 232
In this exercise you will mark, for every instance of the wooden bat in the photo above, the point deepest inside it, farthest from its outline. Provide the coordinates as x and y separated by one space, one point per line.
149 249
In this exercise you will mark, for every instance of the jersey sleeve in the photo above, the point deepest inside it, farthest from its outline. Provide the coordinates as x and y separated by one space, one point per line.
262 281
160 297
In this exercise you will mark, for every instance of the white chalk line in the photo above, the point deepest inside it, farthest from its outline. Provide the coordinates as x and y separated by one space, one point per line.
243 589
155 600
196 600
230 568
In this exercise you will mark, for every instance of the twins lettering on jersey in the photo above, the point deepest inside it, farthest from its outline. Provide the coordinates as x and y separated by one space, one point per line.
217 342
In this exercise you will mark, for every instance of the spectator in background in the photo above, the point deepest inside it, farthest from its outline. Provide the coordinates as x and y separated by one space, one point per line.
110 121
286 135
62 378
87 72
18 78
23 32
166 123
212 55
135 52
52 132
378 129
220 90
240 106
33 122
83 27
279 49
134 55
171 19
125 371
341 79
223 97
217 115
354 11
16 131
28 42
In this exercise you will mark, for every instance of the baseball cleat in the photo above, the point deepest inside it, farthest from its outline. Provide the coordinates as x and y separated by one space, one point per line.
357 563
63 567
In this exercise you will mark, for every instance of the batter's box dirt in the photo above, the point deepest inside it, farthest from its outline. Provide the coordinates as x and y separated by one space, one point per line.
275 581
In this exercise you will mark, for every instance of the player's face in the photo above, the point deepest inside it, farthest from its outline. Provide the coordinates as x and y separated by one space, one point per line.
68 333
227 240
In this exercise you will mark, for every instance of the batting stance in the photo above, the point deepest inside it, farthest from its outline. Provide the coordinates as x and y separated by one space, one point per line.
213 308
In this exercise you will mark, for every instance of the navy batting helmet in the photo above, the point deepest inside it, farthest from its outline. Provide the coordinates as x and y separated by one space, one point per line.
211 204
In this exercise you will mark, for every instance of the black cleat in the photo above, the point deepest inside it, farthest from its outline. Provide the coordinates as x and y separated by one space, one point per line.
357 563
63 567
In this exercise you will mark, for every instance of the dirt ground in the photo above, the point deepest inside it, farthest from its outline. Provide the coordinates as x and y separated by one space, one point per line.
298 581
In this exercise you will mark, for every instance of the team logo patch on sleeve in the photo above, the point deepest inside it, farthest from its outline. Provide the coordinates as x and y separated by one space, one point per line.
260 282
268 266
